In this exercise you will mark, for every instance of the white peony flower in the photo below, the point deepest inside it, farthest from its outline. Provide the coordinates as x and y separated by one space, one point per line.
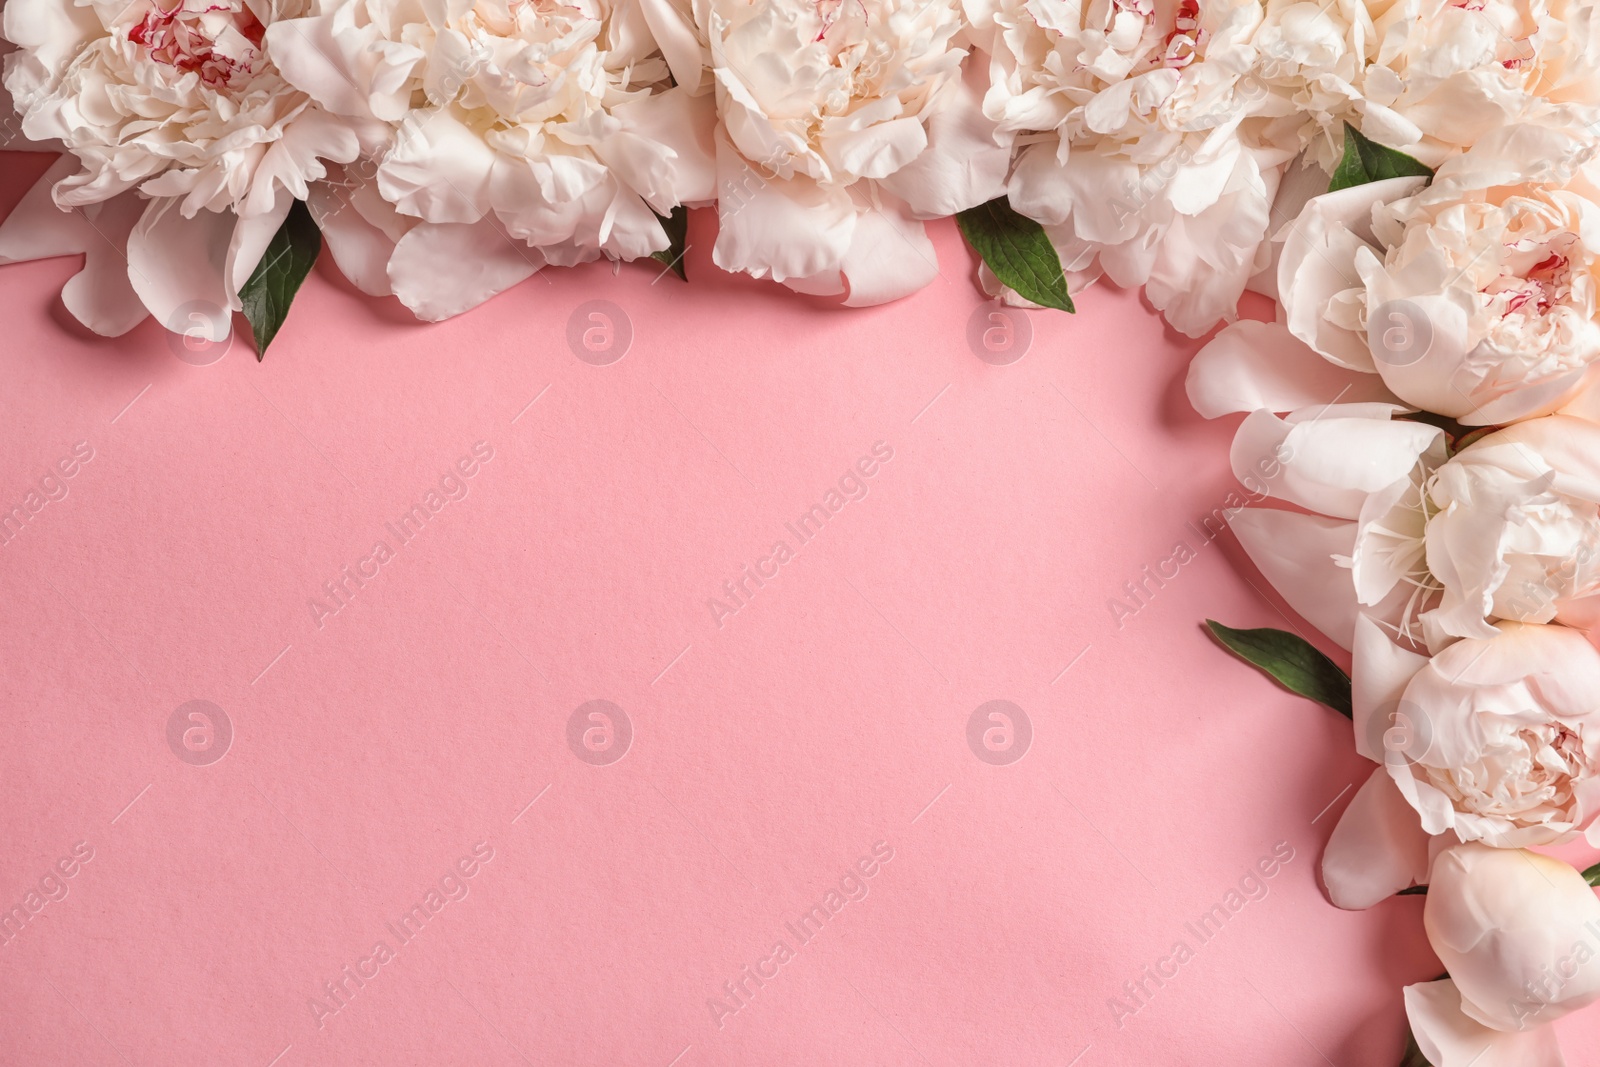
1447 72
843 124
1140 150
1494 740
1312 60
510 134
176 102
1433 548
1513 528
188 145
1518 932
1504 742
1428 77
1475 298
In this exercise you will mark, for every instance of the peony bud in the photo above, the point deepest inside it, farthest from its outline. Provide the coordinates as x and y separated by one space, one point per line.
1518 932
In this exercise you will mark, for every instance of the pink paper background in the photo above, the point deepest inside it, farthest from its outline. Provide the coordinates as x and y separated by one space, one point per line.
768 754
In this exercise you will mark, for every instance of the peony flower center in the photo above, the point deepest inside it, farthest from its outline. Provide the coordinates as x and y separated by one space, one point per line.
215 43
1511 24
517 68
1525 773
1534 280
1540 285
828 14
1395 544
1183 43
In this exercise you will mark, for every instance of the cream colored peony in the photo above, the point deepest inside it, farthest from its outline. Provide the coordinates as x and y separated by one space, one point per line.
1447 72
178 101
1493 740
507 135
1519 933
1476 297
1505 747
1357 548
1513 528
1140 149
1429 77
843 124
179 104
1433 548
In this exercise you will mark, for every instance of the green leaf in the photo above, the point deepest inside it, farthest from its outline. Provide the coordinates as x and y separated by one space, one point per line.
1291 661
1592 875
677 227
284 265
1366 160
1413 891
1018 251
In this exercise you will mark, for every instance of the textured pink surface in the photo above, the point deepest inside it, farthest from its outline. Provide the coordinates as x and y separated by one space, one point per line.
825 717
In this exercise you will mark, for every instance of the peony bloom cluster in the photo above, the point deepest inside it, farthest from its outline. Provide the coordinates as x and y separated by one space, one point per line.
1427 404
448 150
1414 182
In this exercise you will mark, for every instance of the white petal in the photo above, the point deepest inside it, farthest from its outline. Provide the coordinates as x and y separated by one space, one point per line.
99 296
361 247
1379 672
179 267
50 32
1449 1039
1261 365
297 158
1378 848
890 255
328 58
679 43
963 166
1098 188
673 158
776 228
1585 404
1318 261
251 236
439 169
442 269
823 283
878 150
1038 187
1295 553
12 138
1328 459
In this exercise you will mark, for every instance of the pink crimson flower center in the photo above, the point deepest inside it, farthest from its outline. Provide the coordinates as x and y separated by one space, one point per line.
187 40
